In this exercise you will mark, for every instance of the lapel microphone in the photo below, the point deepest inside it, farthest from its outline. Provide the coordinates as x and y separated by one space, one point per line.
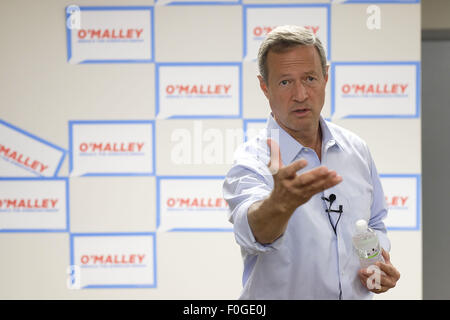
331 199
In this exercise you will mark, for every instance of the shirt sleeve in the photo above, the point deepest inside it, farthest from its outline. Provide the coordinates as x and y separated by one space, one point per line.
242 187
379 208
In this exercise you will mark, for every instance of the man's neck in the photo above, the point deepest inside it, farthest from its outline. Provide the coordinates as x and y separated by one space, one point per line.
310 139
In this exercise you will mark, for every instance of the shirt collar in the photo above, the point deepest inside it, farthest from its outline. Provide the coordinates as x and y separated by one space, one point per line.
329 138
289 147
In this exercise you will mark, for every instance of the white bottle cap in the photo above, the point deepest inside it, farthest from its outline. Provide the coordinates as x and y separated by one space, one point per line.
361 226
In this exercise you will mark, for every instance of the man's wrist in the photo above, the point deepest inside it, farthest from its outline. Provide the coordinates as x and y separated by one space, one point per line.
279 206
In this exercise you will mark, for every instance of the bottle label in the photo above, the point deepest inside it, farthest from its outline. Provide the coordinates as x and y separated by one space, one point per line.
374 255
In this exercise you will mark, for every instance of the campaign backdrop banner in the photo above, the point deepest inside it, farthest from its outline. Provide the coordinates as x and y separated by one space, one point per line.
403 194
188 90
111 147
375 90
34 205
109 34
259 20
191 204
23 154
113 260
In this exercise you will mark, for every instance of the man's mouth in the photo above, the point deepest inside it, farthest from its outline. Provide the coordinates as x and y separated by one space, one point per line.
301 111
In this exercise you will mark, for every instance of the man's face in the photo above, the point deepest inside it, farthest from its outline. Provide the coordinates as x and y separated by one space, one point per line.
295 88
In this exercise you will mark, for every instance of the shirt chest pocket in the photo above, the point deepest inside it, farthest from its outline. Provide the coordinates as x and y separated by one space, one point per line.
357 207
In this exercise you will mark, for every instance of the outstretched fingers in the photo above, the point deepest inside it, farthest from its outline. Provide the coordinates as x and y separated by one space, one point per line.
290 171
318 180
308 183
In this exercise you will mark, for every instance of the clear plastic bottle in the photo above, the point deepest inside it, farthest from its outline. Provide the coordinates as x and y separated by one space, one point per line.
366 244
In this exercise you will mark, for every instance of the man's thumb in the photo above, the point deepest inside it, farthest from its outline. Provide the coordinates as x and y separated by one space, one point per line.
275 162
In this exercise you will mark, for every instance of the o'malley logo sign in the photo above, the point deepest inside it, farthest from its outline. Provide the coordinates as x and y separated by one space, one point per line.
23 154
111 148
109 34
201 89
113 260
261 19
402 196
31 204
191 203
375 90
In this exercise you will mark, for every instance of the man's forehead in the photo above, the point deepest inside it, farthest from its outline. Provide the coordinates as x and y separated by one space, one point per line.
297 52
305 57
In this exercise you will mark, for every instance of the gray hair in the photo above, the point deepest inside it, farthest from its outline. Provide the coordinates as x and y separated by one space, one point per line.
283 38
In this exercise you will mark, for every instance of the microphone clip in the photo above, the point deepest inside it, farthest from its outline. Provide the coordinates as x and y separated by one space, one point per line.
331 199
340 210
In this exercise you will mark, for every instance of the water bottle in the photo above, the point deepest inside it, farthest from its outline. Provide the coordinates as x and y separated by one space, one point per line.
366 244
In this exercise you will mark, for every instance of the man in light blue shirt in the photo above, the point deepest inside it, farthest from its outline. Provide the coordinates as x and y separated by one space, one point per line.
283 182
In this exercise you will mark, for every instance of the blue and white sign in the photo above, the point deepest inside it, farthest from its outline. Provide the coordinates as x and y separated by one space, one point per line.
23 154
375 90
259 20
113 260
191 204
111 148
34 205
403 194
197 2
109 34
198 90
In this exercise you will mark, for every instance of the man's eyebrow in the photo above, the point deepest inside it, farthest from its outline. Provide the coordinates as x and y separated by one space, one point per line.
311 72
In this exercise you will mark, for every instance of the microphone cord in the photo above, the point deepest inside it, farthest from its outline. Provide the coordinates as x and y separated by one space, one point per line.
331 200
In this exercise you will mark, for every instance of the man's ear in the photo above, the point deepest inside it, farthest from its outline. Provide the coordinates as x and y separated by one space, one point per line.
327 72
263 86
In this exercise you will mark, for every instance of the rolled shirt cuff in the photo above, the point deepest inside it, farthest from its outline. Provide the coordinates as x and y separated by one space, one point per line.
244 235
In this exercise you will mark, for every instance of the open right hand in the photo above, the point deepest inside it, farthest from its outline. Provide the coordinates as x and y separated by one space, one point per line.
291 190
268 219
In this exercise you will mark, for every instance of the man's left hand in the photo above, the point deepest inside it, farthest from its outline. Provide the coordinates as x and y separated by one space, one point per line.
384 280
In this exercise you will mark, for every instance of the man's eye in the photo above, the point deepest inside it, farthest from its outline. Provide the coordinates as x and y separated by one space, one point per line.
310 79
284 82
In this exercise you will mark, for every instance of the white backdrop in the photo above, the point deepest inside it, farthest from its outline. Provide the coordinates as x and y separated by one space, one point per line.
135 120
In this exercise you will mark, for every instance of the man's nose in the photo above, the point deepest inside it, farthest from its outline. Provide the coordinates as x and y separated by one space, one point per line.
300 92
